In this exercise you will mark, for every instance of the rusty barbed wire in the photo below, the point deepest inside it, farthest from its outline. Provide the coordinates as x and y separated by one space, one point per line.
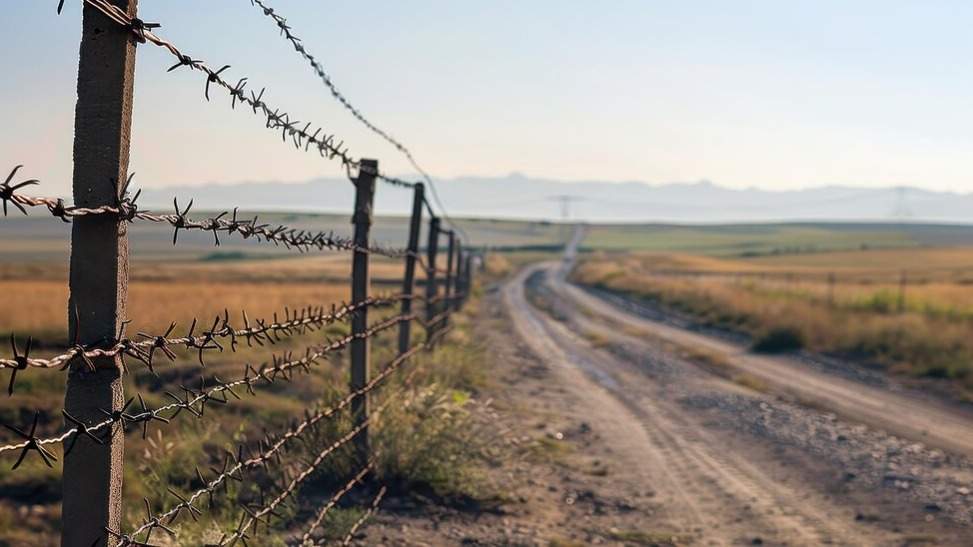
367 515
276 118
259 331
273 448
287 33
126 209
279 367
333 501
252 518
298 45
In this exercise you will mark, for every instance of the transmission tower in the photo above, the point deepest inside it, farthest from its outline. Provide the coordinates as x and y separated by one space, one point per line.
566 201
901 210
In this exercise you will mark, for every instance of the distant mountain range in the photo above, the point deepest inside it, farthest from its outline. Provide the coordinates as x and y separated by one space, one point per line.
518 196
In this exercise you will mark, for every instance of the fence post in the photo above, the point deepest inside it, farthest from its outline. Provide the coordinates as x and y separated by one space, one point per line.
432 279
450 271
408 281
362 220
467 275
92 476
458 276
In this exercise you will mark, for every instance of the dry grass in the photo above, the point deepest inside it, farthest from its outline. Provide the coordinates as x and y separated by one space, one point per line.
36 299
35 302
153 305
931 336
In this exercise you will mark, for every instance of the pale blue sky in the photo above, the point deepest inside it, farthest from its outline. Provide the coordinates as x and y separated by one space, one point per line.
775 94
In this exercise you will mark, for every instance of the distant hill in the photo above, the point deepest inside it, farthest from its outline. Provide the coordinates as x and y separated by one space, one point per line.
518 196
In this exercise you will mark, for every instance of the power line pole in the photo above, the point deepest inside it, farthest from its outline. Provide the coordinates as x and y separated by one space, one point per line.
565 202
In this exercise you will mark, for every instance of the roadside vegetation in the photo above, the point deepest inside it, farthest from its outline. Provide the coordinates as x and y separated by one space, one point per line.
909 311
427 438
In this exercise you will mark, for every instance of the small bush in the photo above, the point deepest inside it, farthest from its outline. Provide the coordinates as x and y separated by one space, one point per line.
779 340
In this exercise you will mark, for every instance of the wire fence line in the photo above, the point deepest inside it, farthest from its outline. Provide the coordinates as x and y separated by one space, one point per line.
287 33
92 435
268 373
127 210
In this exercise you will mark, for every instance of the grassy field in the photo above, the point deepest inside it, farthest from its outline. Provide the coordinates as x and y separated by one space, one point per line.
37 238
907 308
733 240
430 440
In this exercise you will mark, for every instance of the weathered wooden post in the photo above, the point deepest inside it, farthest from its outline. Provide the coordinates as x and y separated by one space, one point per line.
450 271
408 280
432 279
362 220
92 479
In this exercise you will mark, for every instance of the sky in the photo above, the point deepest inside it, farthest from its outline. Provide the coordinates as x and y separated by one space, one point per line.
770 94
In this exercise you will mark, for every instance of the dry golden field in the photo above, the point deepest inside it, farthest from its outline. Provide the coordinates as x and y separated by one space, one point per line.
36 297
908 310
35 303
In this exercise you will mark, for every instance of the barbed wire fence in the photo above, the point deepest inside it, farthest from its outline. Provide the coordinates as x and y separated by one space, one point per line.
97 412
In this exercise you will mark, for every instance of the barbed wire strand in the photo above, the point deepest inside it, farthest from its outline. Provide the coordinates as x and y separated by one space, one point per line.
287 33
276 119
333 501
127 210
251 376
252 519
367 515
260 331
293 432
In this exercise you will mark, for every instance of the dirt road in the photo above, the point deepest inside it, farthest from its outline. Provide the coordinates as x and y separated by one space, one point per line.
732 465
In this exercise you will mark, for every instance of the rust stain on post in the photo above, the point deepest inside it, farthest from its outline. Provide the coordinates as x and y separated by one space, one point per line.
92 481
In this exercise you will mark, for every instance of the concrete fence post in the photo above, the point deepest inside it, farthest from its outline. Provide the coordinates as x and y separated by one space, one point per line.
92 478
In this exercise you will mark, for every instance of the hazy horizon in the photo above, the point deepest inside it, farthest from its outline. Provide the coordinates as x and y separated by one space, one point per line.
754 94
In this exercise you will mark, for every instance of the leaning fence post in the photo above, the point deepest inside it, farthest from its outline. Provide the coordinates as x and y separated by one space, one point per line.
362 220
450 272
408 281
432 288
92 477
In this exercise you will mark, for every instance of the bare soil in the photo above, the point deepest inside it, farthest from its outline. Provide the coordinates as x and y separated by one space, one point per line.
613 433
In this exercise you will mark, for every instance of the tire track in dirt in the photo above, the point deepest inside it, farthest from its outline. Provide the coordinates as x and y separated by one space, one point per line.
719 497
908 415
